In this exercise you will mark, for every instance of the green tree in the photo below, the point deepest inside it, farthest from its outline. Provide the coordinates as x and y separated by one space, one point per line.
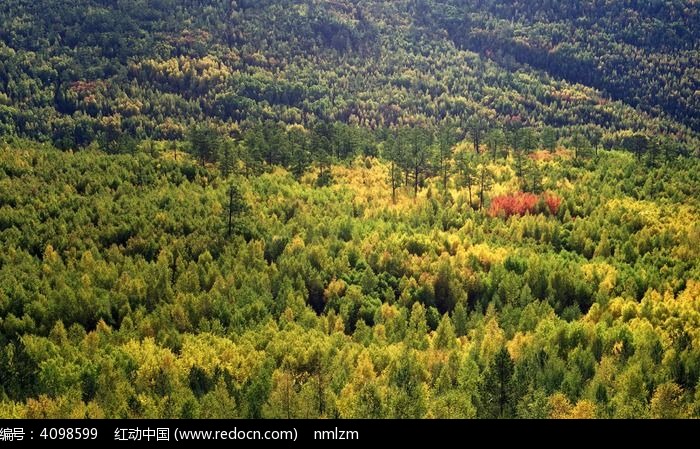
475 127
467 172
393 152
549 139
236 205
636 143
520 165
667 402
284 400
321 150
494 141
361 397
529 139
419 142
497 392
445 337
408 392
417 333
300 155
228 162
446 139
535 175
581 145
205 142
485 183
514 136
459 318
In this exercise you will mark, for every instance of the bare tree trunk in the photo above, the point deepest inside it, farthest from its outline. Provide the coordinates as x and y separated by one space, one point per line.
481 191
230 210
444 176
319 380
393 182
415 183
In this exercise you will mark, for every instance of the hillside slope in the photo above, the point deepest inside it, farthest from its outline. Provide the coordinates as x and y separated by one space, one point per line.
152 69
646 54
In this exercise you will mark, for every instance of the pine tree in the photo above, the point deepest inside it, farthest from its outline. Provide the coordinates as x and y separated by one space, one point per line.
393 153
475 127
446 139
419 151
205 143
467 172
494 140
549 139
485 183
236 205
408 397
459 318
581 145
445 337
497 390
416 335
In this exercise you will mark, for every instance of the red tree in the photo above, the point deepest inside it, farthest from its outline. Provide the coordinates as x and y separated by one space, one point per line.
553 202
523 204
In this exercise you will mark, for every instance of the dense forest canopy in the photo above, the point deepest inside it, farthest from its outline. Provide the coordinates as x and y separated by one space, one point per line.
644 53
93 69
143 285
349 209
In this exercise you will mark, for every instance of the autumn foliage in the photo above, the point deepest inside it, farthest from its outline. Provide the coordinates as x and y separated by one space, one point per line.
553 202
521 203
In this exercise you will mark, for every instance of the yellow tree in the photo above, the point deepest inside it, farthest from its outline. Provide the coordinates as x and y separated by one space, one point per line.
361 397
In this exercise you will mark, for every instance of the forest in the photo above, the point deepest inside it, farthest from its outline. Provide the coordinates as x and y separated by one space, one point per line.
336 209
110 73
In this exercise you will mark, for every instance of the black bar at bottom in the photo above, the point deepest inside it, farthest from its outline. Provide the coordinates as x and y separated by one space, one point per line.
286 433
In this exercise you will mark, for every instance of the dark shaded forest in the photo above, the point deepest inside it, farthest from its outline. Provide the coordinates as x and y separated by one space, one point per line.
94 72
